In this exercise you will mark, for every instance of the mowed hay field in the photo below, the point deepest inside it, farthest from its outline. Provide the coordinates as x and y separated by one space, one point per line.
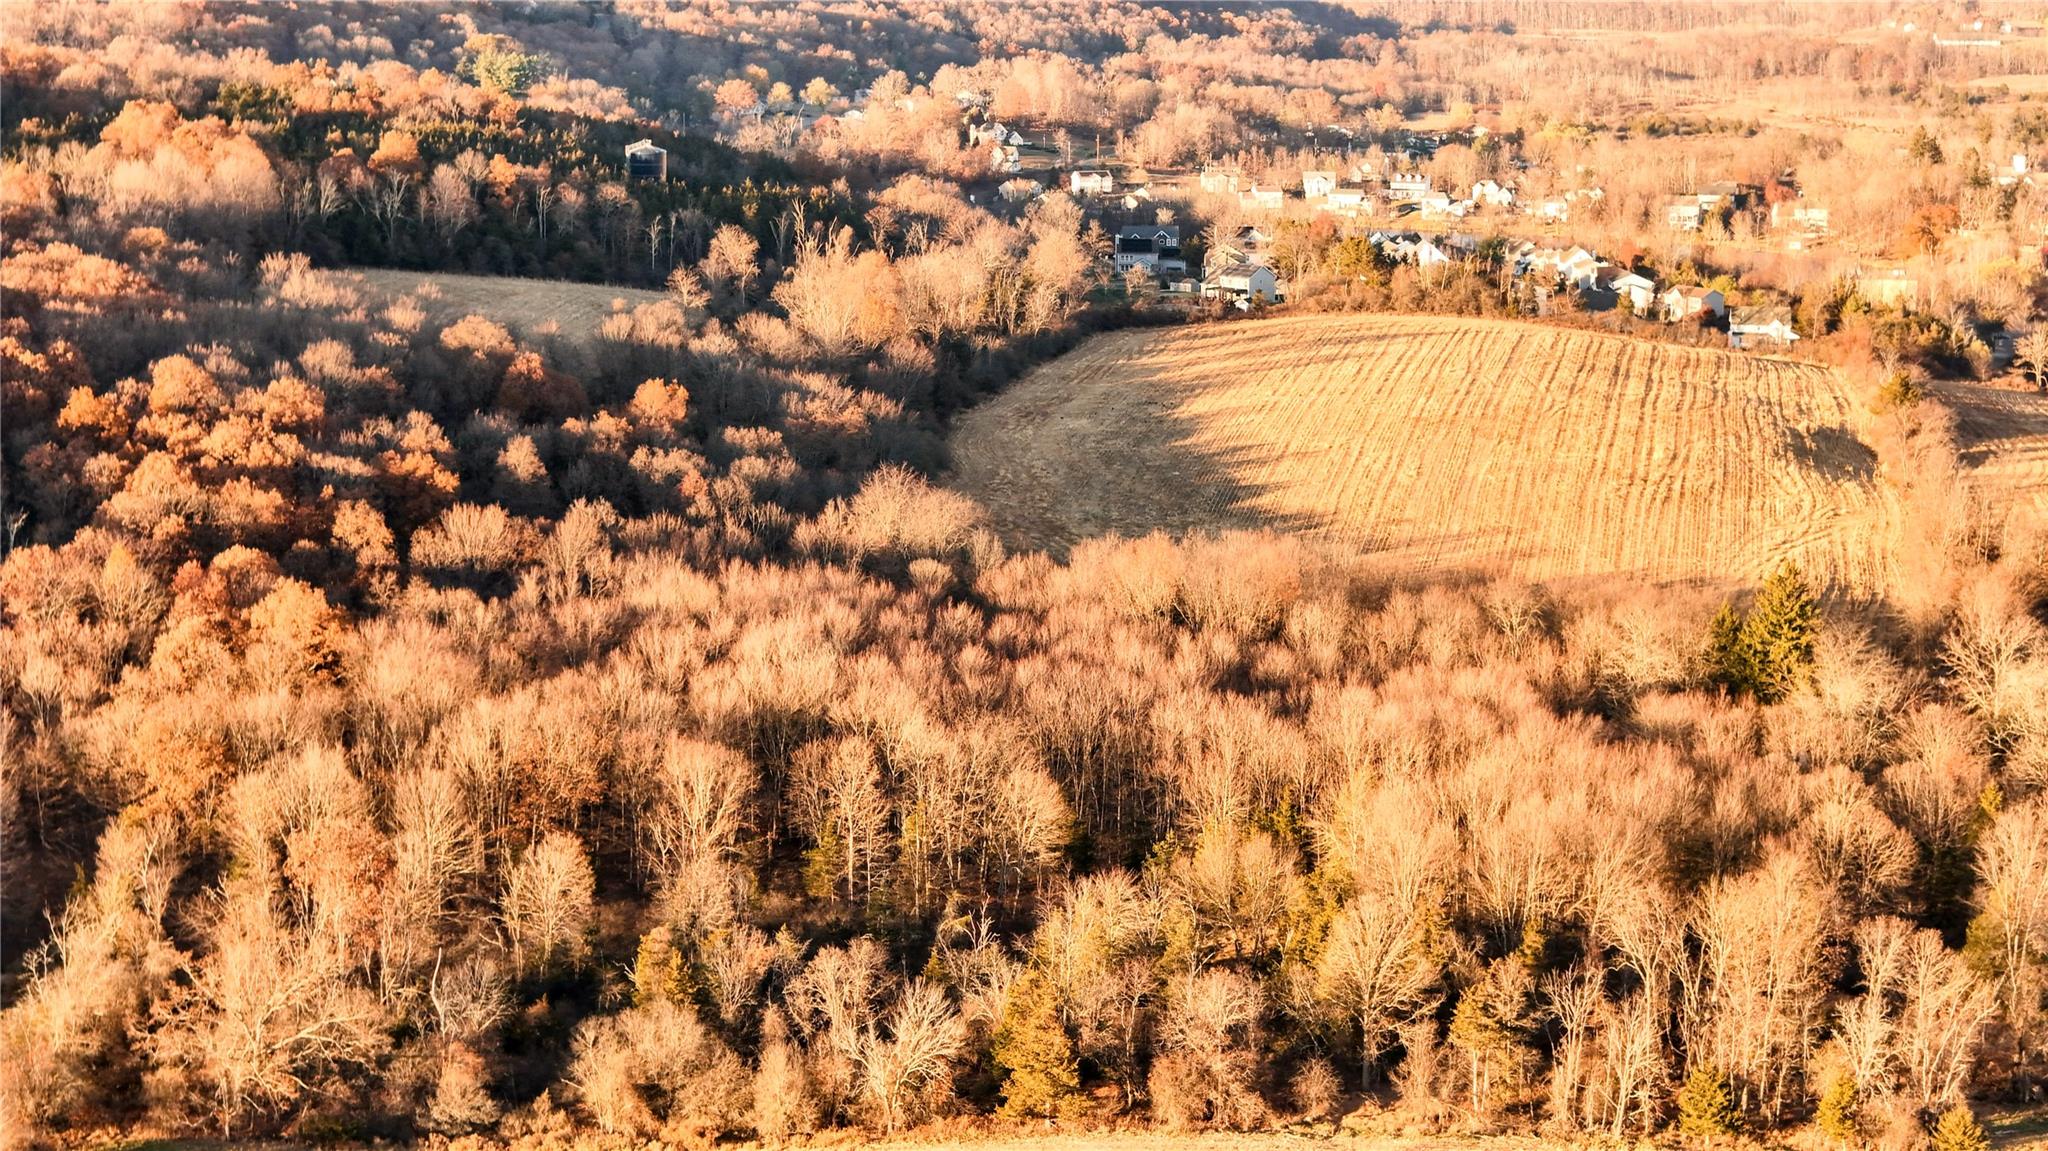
525 306
2003 437
1441 445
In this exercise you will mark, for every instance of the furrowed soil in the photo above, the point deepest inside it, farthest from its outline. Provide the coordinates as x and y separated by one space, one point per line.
1442 445
2002 435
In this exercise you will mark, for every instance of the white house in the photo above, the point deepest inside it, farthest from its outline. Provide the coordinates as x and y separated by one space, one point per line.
1631 289
1440 206
1091 182
1220 181
1427 255
1684 215
1408 186
1265 199
1762 326
1252 282
1493 194
1003 158
1692 302
1315 183
1811 218
1410 248
1348 201
1155 248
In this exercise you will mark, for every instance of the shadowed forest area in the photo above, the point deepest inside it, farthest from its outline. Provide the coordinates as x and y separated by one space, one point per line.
433 728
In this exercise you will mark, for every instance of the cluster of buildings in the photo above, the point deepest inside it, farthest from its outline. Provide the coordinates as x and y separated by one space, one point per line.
1239 271
1690 212
1361 192
1541 272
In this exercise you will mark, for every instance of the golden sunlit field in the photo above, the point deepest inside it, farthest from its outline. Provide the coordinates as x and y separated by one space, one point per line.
2003 436
523 305
1443 445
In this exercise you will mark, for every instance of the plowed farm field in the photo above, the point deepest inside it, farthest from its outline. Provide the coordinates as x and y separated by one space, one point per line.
1441 445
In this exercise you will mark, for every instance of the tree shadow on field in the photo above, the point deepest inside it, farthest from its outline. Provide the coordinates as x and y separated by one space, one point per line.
1836 452
1993 421
1105 440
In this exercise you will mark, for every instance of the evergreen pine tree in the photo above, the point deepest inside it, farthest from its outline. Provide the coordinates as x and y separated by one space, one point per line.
1705 1107
659 971
1769 651
1959 1130
1777 639
823 864
1725 663
1032 1048
1836 1114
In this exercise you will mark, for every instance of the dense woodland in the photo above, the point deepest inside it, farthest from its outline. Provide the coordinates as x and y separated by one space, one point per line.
422 730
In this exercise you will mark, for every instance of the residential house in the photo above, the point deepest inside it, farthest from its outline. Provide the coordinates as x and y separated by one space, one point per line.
1493 194
1440 206
1684 214
1410 248
1407 187
1153 247
1003 158
1091 182
1347 200
1559 208
1887 285
1809 218
1316 183
1263 199
1579 268
1220 181
1135 198
1630 288
1248 245
1021 190
1253 283
1761 326
1728 194
1576 267
1692 302
645 160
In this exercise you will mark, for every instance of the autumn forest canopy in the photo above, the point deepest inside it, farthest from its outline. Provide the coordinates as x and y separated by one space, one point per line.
445 725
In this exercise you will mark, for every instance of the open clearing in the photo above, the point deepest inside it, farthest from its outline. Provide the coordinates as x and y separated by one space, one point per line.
525 306
1441 445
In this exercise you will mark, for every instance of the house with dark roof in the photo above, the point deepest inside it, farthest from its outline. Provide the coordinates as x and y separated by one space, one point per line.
1761 326
1153 247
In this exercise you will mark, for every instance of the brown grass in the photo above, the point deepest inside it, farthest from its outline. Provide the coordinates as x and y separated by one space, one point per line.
2002 434
1442 445
522 305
